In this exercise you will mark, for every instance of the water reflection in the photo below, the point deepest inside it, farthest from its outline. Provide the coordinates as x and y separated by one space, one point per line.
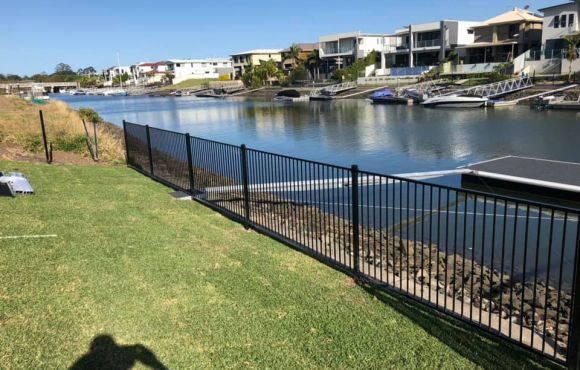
390 139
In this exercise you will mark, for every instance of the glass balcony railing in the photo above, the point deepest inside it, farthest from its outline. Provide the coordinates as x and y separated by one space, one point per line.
427 43
335 50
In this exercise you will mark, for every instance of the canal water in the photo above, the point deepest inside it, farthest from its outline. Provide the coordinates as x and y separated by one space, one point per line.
379 138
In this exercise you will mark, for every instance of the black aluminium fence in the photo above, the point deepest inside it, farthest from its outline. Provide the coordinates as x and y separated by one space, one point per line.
505 265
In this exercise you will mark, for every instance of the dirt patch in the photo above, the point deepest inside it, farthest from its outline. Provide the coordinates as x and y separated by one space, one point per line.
13 152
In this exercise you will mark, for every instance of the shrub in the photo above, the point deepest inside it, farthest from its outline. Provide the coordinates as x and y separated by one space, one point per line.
67 143
89 115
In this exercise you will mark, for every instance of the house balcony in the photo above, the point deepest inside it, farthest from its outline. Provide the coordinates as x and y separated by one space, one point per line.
335 52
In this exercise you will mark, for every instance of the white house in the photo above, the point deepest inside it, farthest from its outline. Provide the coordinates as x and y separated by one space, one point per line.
343 49
148 73
559 20
425 44
186 69
110 73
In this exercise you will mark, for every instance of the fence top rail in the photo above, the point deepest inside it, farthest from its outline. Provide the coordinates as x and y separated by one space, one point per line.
300 159
478 193
505 198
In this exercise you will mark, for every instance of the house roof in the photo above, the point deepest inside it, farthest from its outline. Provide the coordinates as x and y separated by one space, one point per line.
305 47
557 6
152 64
259 51
208 60
513 16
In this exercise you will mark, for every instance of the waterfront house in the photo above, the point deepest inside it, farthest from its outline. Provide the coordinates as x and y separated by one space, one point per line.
559 21
148 73
502 38
186 69
425 44
289 63
343 49
241 61
110 73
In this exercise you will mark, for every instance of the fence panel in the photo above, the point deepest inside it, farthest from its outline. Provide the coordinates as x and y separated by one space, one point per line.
505 265
169 156
303 201
136 146
217 175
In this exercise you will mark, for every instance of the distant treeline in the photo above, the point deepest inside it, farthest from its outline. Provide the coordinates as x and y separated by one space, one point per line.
62 73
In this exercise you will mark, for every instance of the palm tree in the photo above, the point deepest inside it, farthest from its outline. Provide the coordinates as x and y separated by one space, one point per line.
313 63
572 52
294 54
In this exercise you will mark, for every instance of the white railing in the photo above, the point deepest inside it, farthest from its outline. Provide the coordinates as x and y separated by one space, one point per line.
497 88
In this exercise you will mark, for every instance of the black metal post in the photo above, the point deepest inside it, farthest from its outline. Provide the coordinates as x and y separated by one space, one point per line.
573 356
354 217
96 141
149 150
245 184
48 160
126 143
189 162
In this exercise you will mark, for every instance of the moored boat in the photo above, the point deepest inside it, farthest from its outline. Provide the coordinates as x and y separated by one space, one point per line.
455 101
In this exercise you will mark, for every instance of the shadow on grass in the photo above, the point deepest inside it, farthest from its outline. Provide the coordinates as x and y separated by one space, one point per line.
482 349
104 353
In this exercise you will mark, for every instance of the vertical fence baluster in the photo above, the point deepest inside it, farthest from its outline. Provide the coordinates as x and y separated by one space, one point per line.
189 162
244 158
149 150
354 217
573 355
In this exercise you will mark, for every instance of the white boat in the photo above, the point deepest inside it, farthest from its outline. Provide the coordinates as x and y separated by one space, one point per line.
455 101
115 92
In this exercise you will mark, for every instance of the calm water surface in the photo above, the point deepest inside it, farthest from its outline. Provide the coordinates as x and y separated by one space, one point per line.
386 139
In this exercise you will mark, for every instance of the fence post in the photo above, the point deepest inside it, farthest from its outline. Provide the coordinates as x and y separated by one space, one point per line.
189 162
149 150
126 143
48 159
354 217
573 355
245 184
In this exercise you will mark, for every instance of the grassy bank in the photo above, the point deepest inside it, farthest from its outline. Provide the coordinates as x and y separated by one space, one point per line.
20 130
190 84
194 288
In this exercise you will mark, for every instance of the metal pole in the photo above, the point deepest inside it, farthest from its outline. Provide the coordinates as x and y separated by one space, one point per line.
355 217
44 137
88 140
245 181
126 145
149 150
573 355
189 162
96 141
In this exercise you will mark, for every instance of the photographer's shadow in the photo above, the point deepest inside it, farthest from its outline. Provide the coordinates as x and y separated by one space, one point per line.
104 353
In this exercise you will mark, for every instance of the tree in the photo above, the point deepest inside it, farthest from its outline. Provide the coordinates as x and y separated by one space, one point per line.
572 52
63 69
90 71
169 77
294 54
313 64
120 79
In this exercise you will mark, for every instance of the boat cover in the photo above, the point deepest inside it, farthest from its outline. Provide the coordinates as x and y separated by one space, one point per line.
382 93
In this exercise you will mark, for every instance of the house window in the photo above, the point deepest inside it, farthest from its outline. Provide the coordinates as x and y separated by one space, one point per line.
557 21
470 32
570 20
563 21
178 65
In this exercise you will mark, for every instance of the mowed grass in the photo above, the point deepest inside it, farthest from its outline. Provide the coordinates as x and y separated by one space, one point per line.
196 289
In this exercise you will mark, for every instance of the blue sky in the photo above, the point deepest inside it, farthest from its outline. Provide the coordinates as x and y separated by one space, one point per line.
35 35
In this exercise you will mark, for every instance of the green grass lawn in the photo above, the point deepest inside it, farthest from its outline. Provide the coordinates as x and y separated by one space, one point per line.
195 288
